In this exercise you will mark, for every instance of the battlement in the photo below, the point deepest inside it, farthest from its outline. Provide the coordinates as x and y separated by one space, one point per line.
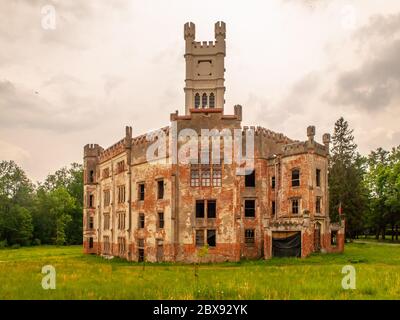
269 134
189 31
220 30
92 150
203 44
112 151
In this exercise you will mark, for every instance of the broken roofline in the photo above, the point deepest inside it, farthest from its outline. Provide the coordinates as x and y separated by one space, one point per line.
184 148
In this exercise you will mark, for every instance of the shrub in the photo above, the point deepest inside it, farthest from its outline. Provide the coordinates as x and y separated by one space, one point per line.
36 242
16 246
3 243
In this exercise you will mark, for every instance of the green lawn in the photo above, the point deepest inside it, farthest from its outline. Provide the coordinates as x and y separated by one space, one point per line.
90 277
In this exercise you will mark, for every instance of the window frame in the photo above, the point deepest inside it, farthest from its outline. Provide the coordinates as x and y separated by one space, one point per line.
246 209
295 182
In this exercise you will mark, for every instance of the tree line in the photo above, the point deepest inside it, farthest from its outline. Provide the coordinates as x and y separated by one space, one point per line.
45 213
366 188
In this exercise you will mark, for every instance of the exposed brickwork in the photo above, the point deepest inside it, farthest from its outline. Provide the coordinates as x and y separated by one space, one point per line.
113 206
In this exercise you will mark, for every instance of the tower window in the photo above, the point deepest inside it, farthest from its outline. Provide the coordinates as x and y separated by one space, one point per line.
295 178
160 189
141 191
318 205
273 182
212 100
197 101
91 176
273 208
318 177
204 99
141 220
161 220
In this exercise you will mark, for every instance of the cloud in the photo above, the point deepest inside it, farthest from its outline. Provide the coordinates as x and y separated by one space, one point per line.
374 84
9 151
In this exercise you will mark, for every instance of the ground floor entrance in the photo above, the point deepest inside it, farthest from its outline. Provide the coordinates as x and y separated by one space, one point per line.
286 244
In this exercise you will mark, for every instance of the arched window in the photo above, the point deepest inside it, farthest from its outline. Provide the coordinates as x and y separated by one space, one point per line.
295 178
197 101
204 100
212 100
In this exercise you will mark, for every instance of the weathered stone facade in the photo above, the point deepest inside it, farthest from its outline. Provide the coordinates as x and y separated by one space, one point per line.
165 210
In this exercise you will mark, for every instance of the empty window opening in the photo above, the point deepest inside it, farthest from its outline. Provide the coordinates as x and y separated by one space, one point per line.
141 189
141 255
141 220
249 237
273 208
121 221
295 178
211 238
91 223
90 243
91 201
250 208
160 189
318 177
106 198
250 179
91 176
273 182
161 220
211 209
334 238
200 208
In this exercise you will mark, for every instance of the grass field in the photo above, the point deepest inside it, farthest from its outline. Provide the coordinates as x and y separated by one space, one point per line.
90 277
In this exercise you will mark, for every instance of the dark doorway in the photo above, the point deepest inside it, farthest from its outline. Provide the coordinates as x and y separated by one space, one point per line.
160 252
286 244
317 237
141 255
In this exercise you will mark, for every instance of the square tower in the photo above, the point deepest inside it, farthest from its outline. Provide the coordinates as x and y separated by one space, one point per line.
205 70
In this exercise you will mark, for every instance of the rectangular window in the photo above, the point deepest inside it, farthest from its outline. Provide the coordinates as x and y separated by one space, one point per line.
205 176
211 209
295 178
295 206
160 189
91 223
273 208
318 177
120 166
199 208
199 238
250 179
249 237
141 220
141 189
250 208
121 194
334 238
90 243
106 221
194 176
141 255
106 173
106 198
217 176
91 201
91 176
273 182
211 238
141 243
161 220
121 221
318 205
106 244
121 245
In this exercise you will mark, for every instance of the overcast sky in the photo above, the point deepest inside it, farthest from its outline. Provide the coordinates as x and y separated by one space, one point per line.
107 64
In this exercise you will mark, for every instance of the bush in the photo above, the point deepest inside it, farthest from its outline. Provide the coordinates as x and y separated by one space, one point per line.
36 242
3 243
16 246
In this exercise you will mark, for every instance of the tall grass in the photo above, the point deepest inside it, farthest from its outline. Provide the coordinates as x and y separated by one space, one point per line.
91 277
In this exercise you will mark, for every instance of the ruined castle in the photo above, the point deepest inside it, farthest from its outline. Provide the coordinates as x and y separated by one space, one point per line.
161 210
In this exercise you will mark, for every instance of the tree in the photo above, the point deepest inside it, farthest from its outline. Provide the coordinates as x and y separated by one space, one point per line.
346 172
16 195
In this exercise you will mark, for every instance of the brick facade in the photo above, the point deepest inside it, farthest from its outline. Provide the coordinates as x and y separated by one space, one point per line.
125 216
